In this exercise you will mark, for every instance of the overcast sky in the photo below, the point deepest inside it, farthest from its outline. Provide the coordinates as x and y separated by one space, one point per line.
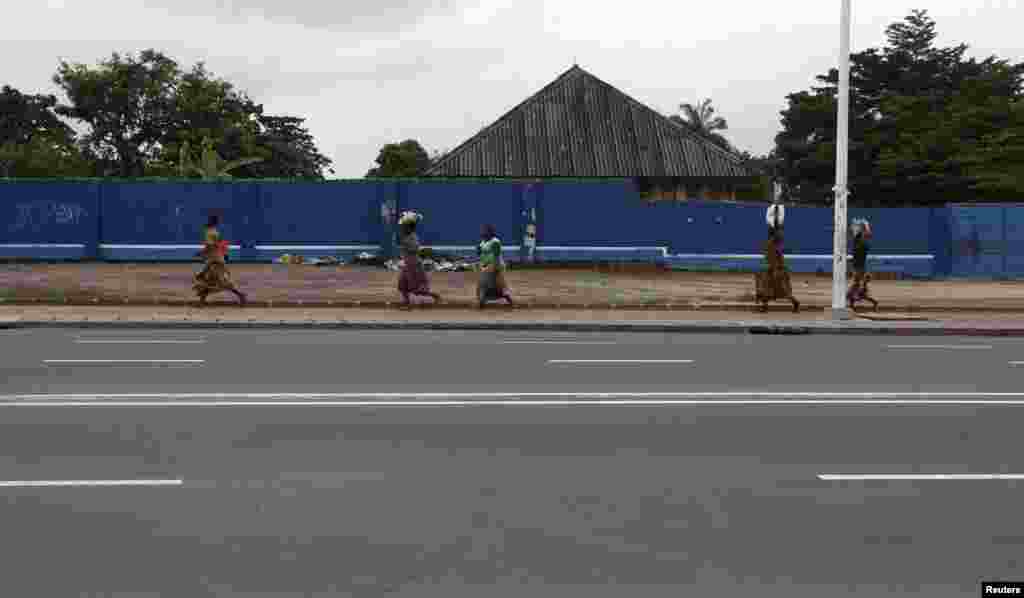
369 72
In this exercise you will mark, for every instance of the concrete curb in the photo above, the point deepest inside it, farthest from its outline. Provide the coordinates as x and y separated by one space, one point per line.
698 305
713 327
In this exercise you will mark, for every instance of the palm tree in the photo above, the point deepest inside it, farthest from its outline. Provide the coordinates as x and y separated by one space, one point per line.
211 165
701 119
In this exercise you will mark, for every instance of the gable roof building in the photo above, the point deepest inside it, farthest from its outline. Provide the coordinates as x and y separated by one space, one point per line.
580 126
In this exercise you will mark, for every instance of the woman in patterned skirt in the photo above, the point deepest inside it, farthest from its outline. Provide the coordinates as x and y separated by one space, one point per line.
774 283
214 277
413 278
492 285
861 277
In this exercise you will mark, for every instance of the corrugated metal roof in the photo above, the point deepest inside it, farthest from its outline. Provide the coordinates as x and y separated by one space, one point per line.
580 126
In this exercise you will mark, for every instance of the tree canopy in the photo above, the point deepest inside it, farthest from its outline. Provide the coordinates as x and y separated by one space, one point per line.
927 125
141 111
404 159
33 139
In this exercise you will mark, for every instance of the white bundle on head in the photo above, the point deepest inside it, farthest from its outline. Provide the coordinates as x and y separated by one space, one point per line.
776 215
860 226
410 218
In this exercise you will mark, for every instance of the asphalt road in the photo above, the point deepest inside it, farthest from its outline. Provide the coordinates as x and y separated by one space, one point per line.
348 492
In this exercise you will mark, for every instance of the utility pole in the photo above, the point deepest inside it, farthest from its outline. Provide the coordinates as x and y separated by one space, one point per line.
839 309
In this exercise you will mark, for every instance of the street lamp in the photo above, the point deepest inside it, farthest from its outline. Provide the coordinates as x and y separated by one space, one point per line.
839 309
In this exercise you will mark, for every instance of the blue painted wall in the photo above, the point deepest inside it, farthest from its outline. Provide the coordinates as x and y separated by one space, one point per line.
63 216
576 220
139 216
454 212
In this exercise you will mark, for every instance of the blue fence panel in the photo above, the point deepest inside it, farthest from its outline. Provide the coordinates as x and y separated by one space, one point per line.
591 216
454 212
896 231
702 227
978 241
164 221
319 219
1014 241
940 240
49 220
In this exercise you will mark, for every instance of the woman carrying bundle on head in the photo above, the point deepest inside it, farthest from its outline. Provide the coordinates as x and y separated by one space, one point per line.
774 283
492 284
214 277
413 278
859 288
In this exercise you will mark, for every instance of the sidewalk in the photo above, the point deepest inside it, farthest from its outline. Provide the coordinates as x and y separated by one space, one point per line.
963 323
350 286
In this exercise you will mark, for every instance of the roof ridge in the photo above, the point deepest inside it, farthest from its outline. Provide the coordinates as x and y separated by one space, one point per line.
687 132
574 69
577 71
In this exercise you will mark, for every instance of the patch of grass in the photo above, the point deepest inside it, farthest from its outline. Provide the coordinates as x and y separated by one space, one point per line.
648 296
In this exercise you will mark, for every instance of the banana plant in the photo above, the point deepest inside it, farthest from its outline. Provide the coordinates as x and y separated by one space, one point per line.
211 165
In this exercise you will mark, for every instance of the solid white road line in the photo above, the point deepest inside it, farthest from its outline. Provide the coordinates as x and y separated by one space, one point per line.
615 361
552 399
938 346
122 361
1017 363
126 341
920 476
557 342
655 395
86 483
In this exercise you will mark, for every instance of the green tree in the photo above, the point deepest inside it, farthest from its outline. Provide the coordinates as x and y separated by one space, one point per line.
34 141
141 111
917 113
205 108
997 161
210 165
405 159
286 146
764 169
43 157
700 118
127 102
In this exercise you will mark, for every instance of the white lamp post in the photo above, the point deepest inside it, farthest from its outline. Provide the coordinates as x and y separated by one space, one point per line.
839 309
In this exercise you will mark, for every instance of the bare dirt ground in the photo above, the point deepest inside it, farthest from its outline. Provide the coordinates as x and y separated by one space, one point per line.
280 285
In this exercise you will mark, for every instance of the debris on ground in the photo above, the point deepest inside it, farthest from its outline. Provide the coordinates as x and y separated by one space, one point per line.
290 259
316 261
437 264
327 261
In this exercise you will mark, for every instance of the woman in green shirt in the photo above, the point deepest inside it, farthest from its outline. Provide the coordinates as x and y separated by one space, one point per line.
492 285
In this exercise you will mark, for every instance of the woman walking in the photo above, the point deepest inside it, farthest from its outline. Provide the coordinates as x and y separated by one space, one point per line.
859 289
214 277
413 278
492 285
774 283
